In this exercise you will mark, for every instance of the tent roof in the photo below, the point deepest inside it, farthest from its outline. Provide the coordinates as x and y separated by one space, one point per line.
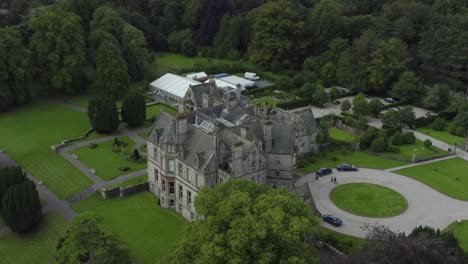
174 84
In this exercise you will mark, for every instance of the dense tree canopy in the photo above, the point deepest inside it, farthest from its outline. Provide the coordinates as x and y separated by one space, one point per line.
247 223
58 47
102 114
86 242
111 70
15 73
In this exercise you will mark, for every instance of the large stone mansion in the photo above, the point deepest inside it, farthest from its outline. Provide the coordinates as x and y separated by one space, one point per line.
218 136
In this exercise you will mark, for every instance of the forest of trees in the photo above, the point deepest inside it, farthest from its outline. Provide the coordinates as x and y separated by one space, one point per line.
393 48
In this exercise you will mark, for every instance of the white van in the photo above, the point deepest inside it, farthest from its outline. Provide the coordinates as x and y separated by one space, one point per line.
251 76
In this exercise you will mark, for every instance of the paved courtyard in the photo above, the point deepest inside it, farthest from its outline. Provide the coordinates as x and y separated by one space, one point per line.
426 206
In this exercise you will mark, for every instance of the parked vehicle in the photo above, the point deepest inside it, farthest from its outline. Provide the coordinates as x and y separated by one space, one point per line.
389 100
396 108
332 220
429 114
323 171
251 76
346 167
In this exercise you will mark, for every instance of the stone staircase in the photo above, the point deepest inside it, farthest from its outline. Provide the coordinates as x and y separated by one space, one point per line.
81 195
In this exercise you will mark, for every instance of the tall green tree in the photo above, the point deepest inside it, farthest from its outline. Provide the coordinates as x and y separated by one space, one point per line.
21 208
134 109
108 20
86 242
10 176
245 222
360 105
102 114
277 38
325 22
111 70
135 52
58 49
437 97
84 9
408 88
15 70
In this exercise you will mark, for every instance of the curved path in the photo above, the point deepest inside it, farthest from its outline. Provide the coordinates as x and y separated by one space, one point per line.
426 206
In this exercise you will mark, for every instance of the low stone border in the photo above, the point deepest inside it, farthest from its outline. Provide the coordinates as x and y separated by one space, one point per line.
124 192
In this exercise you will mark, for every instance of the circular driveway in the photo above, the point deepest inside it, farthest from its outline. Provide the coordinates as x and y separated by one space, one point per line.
426 206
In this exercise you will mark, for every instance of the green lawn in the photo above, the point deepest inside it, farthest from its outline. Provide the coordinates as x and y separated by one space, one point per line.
442 176
34 247
340 136
148 230
270 100
154 110
418 149
27 133
143 135
460 229
369 200
107 163
358 158
443 136
170 62
344 243
130 182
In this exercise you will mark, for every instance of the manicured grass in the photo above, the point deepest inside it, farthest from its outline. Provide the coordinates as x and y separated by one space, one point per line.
460 229
270 100
27 133
34 247
154 110
418 149
369 200
148 230
442 176
130 182
357 158
107 163
171 62
443 136
340 136
344 243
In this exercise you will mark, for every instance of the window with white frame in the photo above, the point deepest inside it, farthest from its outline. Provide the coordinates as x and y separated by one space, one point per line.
164 185
171 166
171 187
181 191
156 175
189 198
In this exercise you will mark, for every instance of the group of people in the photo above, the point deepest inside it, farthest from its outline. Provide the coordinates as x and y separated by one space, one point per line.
333 180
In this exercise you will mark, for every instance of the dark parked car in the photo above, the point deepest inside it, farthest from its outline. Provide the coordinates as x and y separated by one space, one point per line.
346 167
332 220
323 171
389 100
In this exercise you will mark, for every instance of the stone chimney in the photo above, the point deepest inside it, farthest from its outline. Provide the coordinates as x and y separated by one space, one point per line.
205 100
238 91
267 127
243 131
265 109
181 126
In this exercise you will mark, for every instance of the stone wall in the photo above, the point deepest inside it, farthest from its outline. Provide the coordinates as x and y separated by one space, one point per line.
339 124
124 192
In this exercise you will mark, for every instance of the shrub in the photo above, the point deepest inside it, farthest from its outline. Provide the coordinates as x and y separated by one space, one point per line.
334 158
439 124
460 131
409 138
133 110
397 139
379 144
393 149
345 106
427 143
102 114
92 145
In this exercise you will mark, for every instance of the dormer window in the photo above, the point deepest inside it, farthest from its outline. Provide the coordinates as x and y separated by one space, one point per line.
171 148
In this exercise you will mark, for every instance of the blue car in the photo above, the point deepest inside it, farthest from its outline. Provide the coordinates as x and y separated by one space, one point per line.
332 220
346 167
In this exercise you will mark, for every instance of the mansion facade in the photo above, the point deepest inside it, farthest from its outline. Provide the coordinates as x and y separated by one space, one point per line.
219 136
